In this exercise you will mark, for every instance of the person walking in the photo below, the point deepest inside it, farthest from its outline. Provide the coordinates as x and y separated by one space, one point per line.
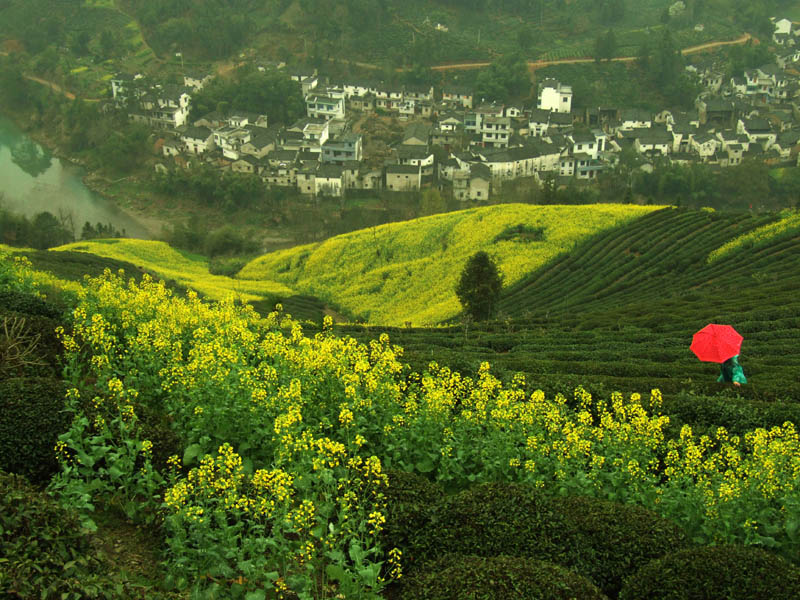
731 371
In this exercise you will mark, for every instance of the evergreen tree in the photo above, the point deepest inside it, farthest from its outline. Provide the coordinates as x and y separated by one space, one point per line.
478 290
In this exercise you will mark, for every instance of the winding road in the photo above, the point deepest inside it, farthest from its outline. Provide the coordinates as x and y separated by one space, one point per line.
538 64
227 67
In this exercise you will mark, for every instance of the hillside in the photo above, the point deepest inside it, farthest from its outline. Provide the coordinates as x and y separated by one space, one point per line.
406 272
257 461
179 268
619 310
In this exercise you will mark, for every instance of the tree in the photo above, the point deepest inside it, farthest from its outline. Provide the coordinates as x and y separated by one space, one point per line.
605 46
479 287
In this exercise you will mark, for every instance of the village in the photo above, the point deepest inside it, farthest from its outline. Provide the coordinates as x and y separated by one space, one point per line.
459 144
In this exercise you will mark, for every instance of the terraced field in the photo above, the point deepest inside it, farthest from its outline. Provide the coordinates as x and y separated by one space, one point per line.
407 272
618 312
181 268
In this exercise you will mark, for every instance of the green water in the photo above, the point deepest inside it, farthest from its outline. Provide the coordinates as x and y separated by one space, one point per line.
32 181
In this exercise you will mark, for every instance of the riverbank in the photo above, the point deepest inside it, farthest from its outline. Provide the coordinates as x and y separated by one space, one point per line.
42 133
70 183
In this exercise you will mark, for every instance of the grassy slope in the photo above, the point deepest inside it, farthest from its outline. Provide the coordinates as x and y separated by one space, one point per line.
407 271
620 310
185 270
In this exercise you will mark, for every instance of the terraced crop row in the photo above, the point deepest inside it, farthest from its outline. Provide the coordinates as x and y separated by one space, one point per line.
620 310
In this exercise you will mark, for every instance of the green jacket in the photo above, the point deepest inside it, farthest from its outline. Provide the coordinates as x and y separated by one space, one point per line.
731 370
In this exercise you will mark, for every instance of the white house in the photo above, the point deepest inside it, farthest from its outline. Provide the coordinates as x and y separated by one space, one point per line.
758 131
635 118
403 178
198 140
495 131
782 32
328 181
538 122
325 107
704 145
654 141
555 96
230 140
457 95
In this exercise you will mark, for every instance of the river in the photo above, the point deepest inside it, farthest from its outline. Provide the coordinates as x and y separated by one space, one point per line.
32 181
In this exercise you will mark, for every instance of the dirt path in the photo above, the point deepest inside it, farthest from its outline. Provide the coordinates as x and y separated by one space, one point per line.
226 68
539 64
57 88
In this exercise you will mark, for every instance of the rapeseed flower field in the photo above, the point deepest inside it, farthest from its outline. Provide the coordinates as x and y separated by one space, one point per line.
280 479
406 272
188 271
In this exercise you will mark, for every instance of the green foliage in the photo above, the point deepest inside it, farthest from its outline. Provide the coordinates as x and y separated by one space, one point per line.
605 46
479 287
737 415
29 304
45 552
272 93
229 240
502 518
410 503
227 265
731 572
227 190
619 538
457 577
504 79
44 231
31 419
15 91
521 233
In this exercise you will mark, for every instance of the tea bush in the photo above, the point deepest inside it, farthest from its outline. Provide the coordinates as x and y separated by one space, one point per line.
45 553
410 501
710 573
458 577
502 518
28 303
619 538
31 419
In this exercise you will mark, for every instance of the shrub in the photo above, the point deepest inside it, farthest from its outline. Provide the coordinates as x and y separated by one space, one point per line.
520 233
501 518
228 266
45 554
410 500
28 304
619 538
458 577
31 418
28 345
709 573
737 415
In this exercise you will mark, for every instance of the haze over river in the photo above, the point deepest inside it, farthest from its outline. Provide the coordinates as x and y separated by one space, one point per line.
32 181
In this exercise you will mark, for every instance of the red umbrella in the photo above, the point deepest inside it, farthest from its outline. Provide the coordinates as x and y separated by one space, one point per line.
716 343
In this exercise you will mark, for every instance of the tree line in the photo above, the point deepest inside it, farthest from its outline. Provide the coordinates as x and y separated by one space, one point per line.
45 230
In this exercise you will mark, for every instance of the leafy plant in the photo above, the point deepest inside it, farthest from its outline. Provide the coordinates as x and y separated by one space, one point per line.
732 572
31 419
455 577
479 287
618 538
45 552
501 518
